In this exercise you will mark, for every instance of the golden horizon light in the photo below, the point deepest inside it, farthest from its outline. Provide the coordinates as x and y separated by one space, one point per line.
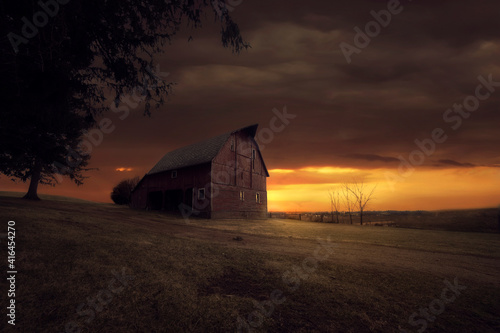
425 189
329 170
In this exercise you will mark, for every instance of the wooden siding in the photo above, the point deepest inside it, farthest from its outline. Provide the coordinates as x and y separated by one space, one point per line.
195 177
233 172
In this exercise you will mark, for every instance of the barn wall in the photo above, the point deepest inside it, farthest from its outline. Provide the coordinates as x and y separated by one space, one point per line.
195 177
232 172
227 203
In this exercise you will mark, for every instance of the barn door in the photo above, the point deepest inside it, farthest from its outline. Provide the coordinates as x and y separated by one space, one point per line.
188 197
155 200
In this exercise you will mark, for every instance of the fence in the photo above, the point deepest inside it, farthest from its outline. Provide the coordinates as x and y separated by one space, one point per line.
326 217
313 217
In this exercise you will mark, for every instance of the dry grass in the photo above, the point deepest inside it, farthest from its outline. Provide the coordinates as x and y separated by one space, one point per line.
430 240
197 278
469 220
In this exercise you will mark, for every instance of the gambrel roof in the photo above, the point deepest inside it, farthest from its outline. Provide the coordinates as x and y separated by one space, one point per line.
198 153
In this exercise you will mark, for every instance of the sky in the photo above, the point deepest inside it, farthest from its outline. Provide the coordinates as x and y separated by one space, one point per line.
402 95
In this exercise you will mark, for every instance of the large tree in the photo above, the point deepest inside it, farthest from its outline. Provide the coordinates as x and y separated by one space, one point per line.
59 58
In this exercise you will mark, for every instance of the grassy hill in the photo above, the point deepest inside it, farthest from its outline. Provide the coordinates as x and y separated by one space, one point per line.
87 267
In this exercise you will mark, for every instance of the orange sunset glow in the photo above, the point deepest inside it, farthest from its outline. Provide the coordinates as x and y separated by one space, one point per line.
122 169
307 189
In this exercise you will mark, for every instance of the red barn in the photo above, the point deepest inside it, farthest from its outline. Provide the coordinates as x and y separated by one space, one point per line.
222 177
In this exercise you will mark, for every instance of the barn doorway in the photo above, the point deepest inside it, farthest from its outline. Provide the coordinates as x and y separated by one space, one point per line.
188 198
173 198
155 200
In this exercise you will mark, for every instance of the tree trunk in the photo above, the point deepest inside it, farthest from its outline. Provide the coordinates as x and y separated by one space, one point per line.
361 217
35 178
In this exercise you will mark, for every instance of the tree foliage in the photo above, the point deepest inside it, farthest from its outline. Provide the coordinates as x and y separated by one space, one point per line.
60 59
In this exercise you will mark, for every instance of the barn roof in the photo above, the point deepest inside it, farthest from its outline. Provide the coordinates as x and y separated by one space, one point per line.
198 153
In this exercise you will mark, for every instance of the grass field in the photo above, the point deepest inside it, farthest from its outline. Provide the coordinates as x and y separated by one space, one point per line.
87 267
475 220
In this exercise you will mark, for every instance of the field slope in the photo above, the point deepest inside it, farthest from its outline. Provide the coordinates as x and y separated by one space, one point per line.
87 267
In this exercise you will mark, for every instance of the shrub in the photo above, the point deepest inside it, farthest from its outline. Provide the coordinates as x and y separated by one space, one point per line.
122 192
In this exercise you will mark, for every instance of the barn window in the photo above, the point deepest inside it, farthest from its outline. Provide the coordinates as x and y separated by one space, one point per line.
257 197
232 144
242 195
201 193
174 174
253 159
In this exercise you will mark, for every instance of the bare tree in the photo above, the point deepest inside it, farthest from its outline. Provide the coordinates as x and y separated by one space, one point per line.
347 200
362 196
335 203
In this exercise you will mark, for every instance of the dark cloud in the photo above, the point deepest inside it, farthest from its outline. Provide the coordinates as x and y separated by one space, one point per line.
372 157
394 92
456 164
